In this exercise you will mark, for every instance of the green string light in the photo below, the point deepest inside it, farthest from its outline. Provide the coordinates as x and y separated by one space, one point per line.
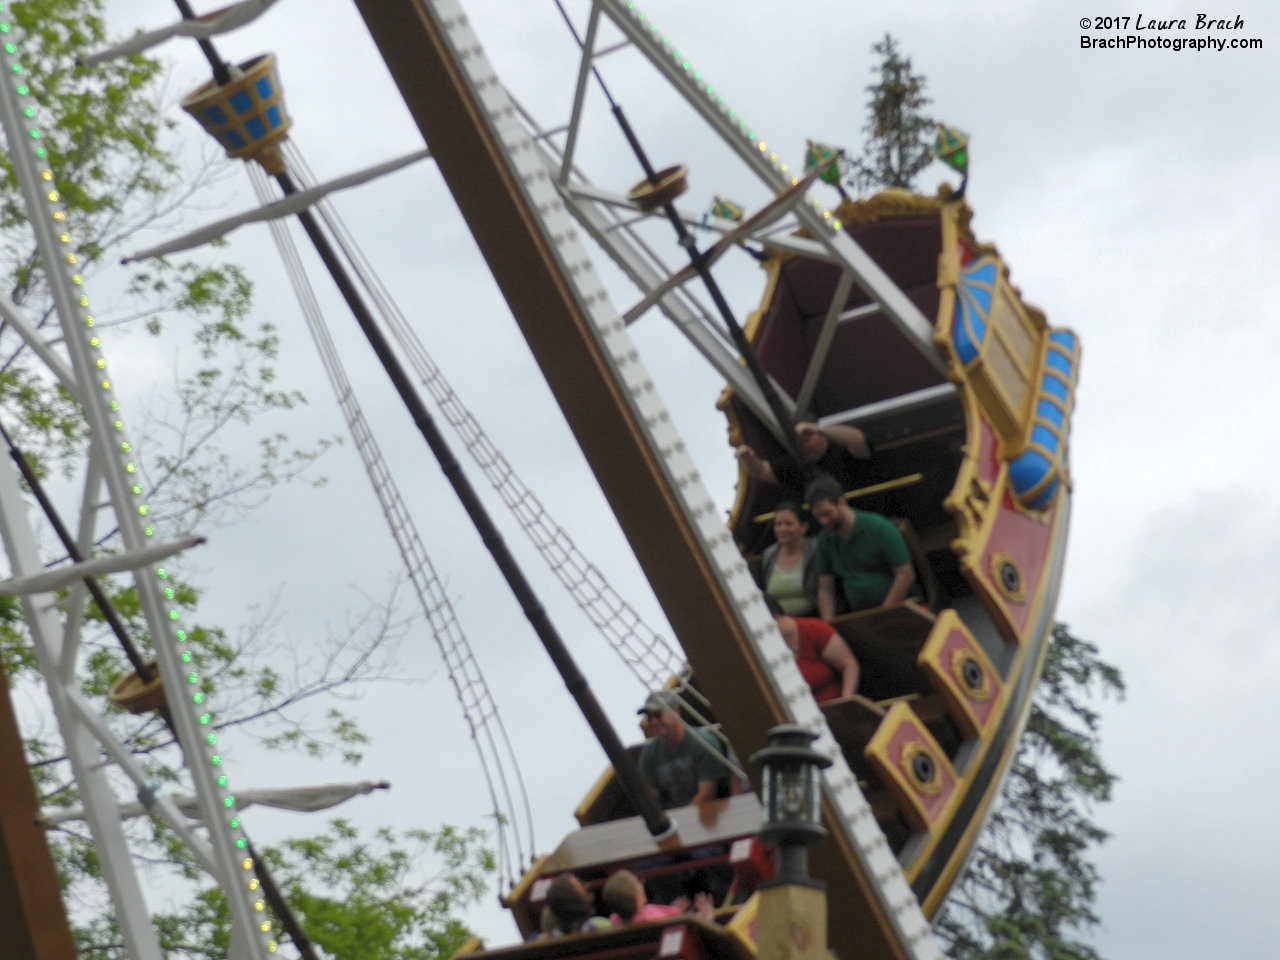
205 718
228 801
193 677
186 657
174 614
234 823
168 591
222 781
240 844
216 760
197 698
182 635
210 739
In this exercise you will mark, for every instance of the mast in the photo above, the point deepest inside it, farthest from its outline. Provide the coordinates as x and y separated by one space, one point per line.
202 104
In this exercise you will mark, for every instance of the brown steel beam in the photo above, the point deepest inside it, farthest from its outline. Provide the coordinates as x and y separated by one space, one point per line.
565 346
33 920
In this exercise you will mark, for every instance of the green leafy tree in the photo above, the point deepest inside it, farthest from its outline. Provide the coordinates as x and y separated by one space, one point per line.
899 136
113 152
1030 888
394 897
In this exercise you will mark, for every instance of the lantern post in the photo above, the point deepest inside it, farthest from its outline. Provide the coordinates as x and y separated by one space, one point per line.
792 919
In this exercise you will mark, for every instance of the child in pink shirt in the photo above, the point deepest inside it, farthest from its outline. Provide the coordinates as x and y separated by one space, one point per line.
624 896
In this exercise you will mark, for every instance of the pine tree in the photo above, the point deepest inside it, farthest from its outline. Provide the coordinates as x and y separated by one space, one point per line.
899 136
1030 888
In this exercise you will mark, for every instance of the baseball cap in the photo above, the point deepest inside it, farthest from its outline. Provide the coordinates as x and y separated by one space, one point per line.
658 701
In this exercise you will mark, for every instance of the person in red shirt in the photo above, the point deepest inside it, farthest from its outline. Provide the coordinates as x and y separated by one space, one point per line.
825 660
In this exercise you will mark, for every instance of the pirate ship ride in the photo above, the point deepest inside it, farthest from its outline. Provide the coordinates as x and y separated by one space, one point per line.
885 313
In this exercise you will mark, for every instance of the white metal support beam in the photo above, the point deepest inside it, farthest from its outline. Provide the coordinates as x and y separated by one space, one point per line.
830 324
101 810
110 453
752 149
579 95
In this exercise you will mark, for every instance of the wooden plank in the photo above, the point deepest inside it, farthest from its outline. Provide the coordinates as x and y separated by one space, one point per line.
641 942
623 841
887 641
853 722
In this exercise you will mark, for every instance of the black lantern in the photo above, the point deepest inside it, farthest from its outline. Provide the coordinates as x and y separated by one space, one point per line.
791 795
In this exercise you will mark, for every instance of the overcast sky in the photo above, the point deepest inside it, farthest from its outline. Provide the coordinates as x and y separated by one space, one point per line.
1130 191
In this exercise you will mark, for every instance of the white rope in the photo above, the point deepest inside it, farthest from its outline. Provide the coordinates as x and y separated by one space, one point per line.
650 657
497 759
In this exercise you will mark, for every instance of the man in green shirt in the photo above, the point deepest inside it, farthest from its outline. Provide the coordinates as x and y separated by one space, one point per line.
683 766
863 550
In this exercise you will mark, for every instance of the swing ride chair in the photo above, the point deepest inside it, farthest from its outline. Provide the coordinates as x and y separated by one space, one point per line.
885 313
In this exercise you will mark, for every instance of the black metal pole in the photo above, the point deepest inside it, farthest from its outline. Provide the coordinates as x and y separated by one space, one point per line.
655 817
144 670
221 73
280 907
696 259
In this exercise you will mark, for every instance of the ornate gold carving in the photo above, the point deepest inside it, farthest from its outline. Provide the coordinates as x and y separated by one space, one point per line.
1008 577
959 660
931 787
886 205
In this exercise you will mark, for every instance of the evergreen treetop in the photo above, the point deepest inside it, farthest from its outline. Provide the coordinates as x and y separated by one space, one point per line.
899 142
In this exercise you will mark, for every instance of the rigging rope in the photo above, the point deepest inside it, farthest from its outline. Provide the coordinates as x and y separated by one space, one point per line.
516 847
650 657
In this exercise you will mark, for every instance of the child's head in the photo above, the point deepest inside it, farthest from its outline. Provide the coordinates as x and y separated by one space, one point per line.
623 894
569 903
